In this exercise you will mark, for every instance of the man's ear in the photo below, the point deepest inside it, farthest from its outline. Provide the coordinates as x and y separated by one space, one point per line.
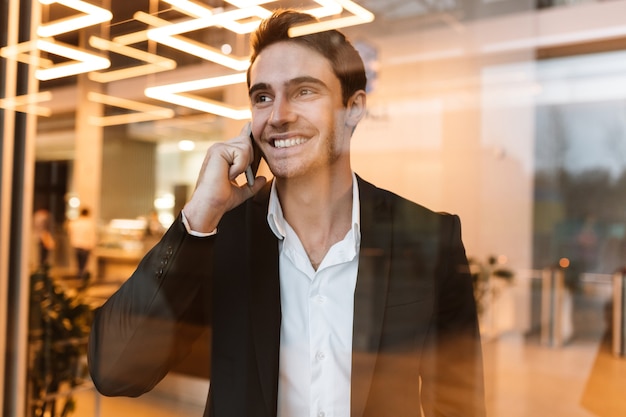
356 108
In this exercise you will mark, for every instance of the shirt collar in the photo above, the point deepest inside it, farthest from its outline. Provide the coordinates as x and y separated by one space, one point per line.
277 221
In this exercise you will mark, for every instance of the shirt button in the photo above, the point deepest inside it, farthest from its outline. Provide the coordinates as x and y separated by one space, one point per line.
320 356
320 299
321 414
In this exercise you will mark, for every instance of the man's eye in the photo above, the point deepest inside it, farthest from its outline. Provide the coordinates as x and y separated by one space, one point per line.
262 98
305 92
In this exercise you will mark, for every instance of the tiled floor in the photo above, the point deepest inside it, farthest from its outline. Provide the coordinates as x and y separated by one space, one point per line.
581 379
149 405
523 377
526 379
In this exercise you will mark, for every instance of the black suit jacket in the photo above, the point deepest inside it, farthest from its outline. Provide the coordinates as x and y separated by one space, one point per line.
415 340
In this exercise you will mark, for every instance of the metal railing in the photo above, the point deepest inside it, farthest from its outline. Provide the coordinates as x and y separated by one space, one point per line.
619 313
554 328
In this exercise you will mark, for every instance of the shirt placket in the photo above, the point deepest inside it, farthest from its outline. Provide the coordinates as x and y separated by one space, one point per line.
319 348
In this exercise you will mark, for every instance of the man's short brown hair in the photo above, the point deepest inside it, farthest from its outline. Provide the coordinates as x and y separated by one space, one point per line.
332 44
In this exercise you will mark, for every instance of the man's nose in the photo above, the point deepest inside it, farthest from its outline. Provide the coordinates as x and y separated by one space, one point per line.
282 112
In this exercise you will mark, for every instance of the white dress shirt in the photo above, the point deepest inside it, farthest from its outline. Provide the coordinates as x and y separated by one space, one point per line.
317 315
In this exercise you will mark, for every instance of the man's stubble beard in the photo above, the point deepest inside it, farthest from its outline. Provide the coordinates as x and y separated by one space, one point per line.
331 153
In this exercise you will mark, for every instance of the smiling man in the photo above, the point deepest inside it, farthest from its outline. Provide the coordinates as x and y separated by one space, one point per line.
326 296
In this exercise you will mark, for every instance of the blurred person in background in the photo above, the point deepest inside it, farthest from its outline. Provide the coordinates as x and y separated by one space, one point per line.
83 238
42 229
153 225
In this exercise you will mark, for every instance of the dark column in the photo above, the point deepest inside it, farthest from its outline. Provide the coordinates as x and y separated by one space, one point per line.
14 216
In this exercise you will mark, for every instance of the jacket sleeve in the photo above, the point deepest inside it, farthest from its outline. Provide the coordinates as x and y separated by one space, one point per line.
149 324
452 380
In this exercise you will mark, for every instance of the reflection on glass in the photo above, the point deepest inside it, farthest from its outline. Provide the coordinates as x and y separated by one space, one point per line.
510 114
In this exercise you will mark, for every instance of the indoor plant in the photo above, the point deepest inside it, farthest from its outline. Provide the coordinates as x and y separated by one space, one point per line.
58 329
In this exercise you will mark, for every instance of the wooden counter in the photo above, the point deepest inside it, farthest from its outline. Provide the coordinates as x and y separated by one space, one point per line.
116 264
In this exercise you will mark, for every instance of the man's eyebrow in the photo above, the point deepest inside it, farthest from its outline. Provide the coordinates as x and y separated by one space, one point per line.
294 81
256 87
307 80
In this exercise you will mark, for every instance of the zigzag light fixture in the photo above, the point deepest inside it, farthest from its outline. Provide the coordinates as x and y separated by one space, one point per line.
154 63
143 112
244 19
359 16
92 15
246 10
80 60
168 35
28 103
23 52
175 93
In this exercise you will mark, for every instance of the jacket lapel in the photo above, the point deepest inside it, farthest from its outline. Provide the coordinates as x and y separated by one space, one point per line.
371 290
265 313
369 297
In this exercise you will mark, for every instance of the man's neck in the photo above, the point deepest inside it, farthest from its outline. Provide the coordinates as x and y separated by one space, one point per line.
319 210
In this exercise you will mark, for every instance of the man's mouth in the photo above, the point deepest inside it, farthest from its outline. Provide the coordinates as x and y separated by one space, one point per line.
287 143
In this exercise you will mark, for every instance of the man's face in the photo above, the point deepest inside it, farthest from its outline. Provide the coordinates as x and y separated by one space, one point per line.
298 118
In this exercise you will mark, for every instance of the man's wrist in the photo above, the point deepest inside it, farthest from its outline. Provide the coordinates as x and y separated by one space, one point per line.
193 232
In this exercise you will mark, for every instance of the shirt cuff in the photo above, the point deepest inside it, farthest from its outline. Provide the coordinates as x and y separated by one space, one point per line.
193 232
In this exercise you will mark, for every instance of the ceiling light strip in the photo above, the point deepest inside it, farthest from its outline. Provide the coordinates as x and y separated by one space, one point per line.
174 93
325 25
155 63
145 112
190 8
208 106
200 50
202 84
166 36
248 27
27 103
141 35
92 15
82 61
329 8
126 103
242 4
24 53
357 10
360 16
123 119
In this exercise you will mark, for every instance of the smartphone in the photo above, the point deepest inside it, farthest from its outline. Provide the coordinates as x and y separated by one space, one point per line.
254 166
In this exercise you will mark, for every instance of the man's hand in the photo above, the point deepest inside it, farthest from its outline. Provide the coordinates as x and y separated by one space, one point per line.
216 190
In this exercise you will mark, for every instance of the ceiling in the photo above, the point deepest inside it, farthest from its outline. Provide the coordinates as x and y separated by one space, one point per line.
392 16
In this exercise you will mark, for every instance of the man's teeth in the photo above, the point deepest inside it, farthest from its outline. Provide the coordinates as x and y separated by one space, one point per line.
286 143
